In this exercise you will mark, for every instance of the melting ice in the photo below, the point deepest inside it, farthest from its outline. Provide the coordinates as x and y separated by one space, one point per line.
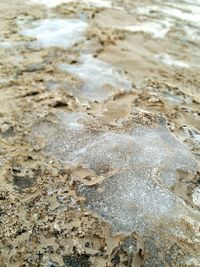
101 81
139 166
56 32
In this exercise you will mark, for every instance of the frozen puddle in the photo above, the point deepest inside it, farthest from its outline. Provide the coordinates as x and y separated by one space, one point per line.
54 3
101 81
57 32
139 166
169 60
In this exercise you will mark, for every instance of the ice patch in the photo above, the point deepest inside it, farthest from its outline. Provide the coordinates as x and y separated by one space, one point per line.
196 136
51 3
101 81
192 2
157 29
57 32
195 18
10 45
184 11
192 33
7 45
139 166
193 135
184 14
3 81
71 120
98 3
54 3
196 197
174 99
169 60
52 85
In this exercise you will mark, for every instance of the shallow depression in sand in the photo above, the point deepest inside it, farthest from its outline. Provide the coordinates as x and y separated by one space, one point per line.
56 32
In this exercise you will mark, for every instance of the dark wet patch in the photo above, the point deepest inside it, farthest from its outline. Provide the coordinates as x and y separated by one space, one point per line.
59 104
52 264
24 177
8 133
174 254
82 260
125 253
32 93
2 213
33 68
21 183
115 260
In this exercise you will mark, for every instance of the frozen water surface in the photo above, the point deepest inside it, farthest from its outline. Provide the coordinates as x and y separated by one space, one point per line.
51 3
173 99
11 44
101 81
54 3
196 196
56 32
193 134
98 3
169 60
139 166
182 11
7 45
183 14
157 28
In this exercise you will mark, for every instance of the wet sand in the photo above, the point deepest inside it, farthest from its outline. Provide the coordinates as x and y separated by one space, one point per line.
100 133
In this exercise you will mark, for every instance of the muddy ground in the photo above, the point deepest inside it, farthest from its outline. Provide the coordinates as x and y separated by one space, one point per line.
44 221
